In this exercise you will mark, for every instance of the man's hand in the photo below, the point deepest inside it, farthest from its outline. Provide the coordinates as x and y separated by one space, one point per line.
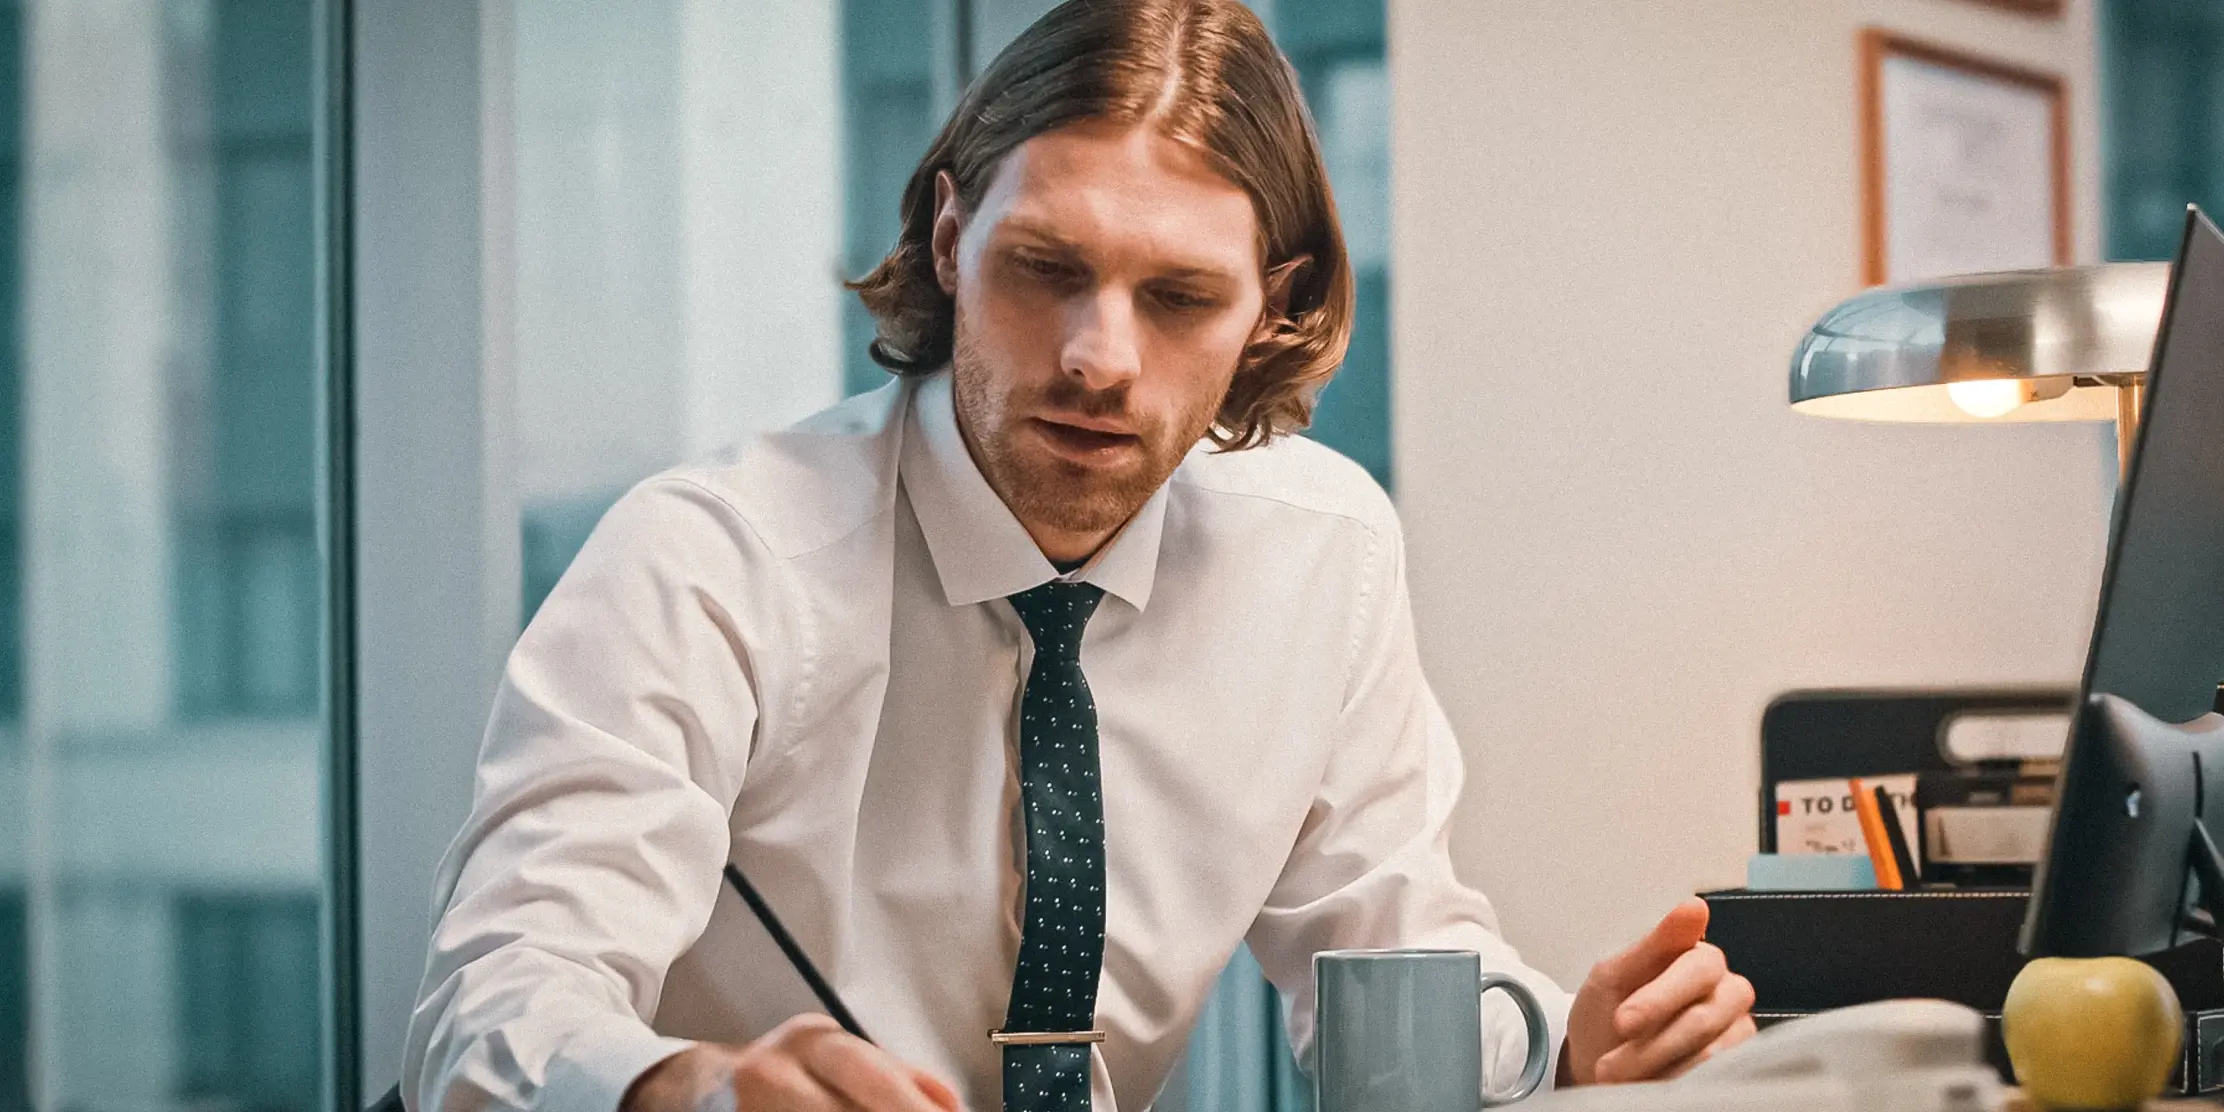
1658 1008
808 1064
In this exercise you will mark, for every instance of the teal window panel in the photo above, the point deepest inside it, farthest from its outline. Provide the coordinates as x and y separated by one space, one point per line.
2162 111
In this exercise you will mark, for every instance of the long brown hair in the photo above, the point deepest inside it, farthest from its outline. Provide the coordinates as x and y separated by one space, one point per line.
1205 73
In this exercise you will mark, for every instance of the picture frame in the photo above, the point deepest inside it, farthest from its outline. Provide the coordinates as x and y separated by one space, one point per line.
1965 162
2043 9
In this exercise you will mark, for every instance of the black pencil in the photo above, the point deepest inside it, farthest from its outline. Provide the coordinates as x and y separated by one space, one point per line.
828 998
1910 876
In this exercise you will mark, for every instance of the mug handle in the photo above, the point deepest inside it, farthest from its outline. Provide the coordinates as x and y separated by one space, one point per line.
1540 1039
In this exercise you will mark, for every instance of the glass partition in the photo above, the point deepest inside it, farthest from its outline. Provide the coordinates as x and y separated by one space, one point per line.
161 589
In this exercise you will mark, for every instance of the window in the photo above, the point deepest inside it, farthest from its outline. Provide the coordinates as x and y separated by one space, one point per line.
678 227
11 393
247 1017
2163 104
161 592
888 93
1337 47
15 1004
244 503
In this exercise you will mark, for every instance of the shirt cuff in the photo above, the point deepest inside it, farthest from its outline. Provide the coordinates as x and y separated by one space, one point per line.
596 1066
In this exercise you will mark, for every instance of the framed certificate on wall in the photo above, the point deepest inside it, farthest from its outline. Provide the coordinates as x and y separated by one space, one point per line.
2045 9
1964 163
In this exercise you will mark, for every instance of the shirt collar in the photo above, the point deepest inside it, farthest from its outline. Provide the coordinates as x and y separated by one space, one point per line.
980 551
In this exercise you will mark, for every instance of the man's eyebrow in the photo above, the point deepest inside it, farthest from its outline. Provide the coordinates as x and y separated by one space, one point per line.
1202 271
1020 225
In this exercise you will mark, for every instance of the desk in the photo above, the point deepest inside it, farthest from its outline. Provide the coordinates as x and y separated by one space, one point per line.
2016 1103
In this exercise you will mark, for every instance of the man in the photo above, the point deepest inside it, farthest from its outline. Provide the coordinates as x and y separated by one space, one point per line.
1022 702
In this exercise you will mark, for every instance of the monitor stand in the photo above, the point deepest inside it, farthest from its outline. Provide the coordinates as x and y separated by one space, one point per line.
2130 833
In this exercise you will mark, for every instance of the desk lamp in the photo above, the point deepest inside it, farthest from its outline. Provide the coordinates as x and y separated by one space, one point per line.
2067 344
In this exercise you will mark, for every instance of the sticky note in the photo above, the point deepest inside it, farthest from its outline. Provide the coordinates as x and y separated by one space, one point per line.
1809 872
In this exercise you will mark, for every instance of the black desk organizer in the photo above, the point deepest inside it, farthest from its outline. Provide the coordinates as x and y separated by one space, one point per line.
1828 735
1811 951
1806 952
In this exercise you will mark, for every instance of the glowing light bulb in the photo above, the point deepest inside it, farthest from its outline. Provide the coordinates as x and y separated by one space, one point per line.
1988 397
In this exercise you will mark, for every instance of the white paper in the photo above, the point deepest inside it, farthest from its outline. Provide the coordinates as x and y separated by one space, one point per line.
1968 172
1985 736
1988 835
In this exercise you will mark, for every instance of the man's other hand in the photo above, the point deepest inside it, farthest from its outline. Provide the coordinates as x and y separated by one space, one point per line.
808 1064
1658 1008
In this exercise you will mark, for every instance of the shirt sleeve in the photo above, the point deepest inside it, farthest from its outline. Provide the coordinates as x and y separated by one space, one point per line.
598 830
1372 864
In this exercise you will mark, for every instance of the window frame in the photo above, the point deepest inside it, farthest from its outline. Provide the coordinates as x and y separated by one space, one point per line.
427 504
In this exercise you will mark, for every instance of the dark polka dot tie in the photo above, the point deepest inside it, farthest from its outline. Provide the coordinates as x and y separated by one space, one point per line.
1061 945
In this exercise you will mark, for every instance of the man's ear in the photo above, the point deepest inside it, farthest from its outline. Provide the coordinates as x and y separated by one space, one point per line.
1279 282
949 222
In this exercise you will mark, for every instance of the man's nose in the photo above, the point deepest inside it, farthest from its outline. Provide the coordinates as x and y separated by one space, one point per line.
1101 342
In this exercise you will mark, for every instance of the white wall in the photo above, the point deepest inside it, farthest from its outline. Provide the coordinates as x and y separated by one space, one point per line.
1612 221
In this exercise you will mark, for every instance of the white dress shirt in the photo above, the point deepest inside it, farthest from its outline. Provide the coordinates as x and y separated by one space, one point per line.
801 659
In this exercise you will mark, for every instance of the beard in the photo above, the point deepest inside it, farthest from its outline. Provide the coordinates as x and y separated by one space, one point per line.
1042 487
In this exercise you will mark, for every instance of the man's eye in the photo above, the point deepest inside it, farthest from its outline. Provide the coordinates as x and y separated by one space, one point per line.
1184 301
1044 268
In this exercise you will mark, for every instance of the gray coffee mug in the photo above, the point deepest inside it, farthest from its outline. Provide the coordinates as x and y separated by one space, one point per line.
1402 1031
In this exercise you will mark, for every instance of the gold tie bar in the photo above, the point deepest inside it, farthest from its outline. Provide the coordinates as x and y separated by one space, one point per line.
1044 1038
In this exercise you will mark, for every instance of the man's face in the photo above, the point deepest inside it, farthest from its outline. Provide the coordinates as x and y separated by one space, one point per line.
1105 288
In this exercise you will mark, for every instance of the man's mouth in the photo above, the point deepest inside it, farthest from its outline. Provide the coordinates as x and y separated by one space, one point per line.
1085 445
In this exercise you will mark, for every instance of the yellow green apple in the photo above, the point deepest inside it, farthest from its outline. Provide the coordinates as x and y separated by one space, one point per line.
2091 1033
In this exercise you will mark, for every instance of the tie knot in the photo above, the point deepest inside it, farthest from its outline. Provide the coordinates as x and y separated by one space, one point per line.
1055 614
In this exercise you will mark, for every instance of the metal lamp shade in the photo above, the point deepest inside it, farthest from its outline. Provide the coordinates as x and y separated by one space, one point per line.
2068 338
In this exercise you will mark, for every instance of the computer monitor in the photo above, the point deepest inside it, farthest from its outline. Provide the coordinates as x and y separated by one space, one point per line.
2131 861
